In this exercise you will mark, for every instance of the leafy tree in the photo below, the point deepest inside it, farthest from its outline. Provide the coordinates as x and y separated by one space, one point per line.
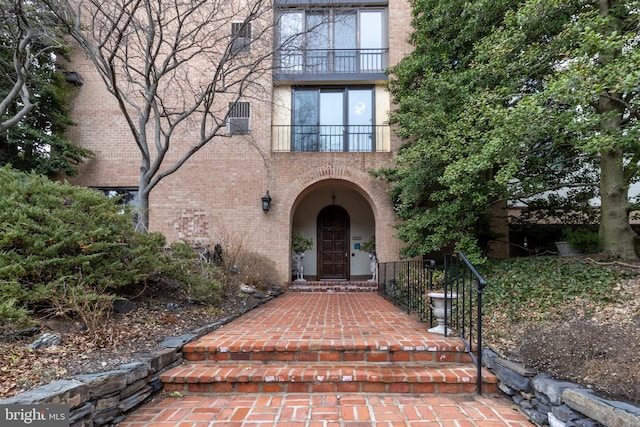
33 123
498 102
587 97
440 196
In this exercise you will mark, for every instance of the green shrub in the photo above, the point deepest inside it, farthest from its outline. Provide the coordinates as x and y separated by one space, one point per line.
10 314
582 239
59 240
300 242
520 286
369 245
201 280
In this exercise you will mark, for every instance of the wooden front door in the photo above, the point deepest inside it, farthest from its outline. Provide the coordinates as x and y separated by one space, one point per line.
333 243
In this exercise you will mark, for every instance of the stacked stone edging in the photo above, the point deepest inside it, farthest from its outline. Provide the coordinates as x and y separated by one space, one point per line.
103 398
549 402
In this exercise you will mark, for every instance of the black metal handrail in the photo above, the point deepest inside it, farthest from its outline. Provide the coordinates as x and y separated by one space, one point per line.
406 284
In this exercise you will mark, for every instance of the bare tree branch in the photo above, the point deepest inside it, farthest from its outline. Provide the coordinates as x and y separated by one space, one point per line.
29 30
173 67
18 27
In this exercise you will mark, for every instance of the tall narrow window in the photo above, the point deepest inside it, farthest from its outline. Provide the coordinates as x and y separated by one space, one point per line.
371 40
345 42
291 41
128 197
240 37
305 120
318 42
238 122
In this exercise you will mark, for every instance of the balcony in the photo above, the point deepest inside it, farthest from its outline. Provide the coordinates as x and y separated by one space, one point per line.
330 138
331 64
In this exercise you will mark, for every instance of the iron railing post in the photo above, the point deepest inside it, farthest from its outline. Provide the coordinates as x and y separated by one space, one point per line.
481 285
406 284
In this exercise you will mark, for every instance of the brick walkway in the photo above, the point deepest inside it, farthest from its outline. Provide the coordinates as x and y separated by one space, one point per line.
327 410
323 322
344 325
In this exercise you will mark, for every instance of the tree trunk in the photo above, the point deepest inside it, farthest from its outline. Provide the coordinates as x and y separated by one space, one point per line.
616 235
142 219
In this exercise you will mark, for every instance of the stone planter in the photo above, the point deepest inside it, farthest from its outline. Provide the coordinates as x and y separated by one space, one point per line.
372 266
565 249
441 305
297 259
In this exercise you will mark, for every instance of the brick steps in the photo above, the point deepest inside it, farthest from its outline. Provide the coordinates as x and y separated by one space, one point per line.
394 354
312 286
321 378
326 343
309 366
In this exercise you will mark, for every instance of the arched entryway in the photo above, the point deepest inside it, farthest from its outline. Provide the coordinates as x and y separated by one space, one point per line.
338 217
333 243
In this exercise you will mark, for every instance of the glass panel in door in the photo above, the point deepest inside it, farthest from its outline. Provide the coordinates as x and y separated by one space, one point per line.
317 42
305 120
331 121
360 118
345 42
291 42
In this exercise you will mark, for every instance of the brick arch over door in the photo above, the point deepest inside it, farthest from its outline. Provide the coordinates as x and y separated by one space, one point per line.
333 243
372 189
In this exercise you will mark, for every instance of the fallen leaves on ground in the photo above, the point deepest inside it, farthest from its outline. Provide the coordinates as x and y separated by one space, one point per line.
118 338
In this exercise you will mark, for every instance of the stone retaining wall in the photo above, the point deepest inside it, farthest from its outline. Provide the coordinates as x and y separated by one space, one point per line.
103 398
549 402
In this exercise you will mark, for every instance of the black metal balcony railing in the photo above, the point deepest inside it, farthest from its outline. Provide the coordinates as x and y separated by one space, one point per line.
318 61
328 138
406 284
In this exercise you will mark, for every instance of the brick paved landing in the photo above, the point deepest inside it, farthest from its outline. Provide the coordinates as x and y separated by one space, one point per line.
325 342
327 410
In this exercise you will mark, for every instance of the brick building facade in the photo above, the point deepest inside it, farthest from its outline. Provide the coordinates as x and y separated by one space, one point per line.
317 174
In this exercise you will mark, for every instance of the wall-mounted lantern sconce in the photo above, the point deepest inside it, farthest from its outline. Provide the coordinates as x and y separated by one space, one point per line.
74 78
266 202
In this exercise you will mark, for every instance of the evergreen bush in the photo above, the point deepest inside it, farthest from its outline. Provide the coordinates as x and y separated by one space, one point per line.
300 242
59 241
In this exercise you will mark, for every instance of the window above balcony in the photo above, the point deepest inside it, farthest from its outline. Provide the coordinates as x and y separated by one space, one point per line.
331 44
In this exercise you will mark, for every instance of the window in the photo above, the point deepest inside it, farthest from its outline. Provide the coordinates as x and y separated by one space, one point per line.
238 121
333 40
333 119
128 197
241 37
